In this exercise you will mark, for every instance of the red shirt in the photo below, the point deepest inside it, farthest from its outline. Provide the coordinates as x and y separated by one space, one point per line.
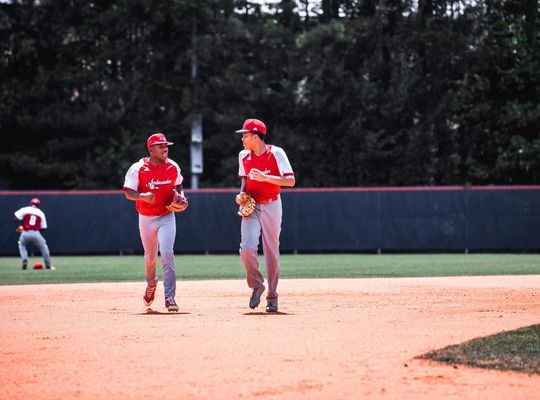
143 176
33 219
273 161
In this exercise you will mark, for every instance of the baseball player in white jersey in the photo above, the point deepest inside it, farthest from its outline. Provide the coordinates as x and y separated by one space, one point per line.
150 183
30 222
263 169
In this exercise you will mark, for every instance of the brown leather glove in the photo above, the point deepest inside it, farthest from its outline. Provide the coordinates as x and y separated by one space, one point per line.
247 204
178 202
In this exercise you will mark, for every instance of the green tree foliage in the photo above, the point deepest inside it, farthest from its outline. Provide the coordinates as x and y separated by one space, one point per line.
498 118
358 92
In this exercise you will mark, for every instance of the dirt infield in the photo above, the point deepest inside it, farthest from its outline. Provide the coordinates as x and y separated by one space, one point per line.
333 339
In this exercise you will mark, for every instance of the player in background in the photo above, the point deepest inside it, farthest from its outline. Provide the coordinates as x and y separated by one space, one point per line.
30 222
263 169
150 182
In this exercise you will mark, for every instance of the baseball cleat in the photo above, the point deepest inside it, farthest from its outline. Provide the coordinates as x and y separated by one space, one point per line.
170 304
50 268
149 295
255 298
272 305
24 264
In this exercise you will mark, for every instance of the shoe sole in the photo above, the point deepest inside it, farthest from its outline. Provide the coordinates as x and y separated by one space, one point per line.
171 309
270 307
254 306
149 303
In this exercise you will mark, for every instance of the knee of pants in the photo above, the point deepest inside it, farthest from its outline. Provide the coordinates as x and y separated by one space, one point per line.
249 241
167 258
249 250
150 258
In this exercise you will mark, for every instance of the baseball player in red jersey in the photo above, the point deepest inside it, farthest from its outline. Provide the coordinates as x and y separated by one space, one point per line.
30 222
263 169
150 183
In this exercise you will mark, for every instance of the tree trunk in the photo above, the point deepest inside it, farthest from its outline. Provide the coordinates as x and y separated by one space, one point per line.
330 10
531 13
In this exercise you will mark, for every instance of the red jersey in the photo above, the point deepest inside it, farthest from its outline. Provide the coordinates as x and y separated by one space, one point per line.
143 176
273 161
33 219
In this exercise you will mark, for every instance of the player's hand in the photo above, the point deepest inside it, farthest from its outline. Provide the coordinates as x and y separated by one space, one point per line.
256 175
239 199
148 197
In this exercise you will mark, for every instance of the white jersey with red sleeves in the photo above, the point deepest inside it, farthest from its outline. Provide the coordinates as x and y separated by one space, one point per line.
143 176
273 161
33 219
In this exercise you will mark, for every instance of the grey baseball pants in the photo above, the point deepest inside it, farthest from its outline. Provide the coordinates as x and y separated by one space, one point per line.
158 233
265 220
37 238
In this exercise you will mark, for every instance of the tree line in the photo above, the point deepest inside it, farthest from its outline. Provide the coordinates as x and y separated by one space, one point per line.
358 92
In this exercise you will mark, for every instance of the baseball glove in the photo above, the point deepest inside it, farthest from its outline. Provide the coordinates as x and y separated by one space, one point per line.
19 229
177 203
247 204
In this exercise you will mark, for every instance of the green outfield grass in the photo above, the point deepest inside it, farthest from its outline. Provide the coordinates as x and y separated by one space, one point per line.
193 267
517 350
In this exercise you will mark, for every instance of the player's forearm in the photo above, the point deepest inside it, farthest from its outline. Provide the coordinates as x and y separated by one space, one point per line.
287 181
147 197
180 189
132 195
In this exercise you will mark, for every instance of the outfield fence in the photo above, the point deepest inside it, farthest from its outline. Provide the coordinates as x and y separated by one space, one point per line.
410 219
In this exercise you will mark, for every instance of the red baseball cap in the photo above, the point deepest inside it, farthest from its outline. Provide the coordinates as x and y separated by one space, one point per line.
157 138
35 201
253 125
